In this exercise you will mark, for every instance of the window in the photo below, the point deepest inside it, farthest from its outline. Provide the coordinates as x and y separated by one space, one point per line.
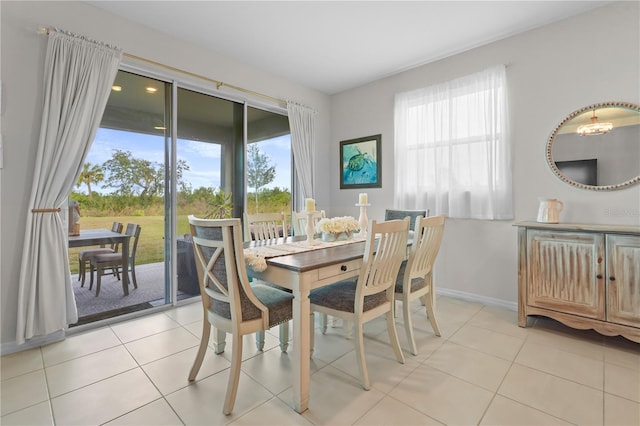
452 151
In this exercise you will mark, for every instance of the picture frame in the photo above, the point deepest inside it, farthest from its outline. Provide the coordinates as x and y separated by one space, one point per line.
361 162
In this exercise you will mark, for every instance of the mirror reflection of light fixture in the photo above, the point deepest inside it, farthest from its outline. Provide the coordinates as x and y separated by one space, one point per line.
595 127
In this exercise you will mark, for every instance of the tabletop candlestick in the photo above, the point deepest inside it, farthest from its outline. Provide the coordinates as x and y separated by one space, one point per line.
310 228
363 220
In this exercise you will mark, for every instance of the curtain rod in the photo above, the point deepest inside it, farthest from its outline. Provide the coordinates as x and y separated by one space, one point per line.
218 83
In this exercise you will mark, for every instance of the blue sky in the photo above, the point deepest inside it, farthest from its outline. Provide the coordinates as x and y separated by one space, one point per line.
202 158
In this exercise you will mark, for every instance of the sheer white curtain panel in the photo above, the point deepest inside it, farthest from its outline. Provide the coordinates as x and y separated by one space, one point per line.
78 75
302 126
452 148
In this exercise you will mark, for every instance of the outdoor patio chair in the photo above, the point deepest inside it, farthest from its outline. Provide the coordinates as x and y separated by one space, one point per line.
84 257
102 262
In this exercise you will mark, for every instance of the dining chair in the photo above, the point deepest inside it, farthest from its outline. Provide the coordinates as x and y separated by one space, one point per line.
264 226
84 257
230 303
104 261
390 214
415 277
371 294
300 220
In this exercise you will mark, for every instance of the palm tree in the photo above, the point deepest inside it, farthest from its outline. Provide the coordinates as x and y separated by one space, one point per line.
91 173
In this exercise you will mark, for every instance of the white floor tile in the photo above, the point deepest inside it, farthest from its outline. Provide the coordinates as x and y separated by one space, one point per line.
39 414
19 363
441 396
567 400
385 372
620 412
104 401
272 413
335 398
569 365
77 345
188 313
79 372
201 402
500 320
172 372
143 327
488 341
390 412
506 412
475 367
622 381
157 413
23 391
163 344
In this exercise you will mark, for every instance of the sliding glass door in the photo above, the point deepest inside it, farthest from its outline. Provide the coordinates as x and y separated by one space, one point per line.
227 158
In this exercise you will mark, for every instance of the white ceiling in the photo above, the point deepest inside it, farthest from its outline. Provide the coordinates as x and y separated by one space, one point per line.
334 46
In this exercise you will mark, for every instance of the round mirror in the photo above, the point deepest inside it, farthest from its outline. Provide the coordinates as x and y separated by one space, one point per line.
597 147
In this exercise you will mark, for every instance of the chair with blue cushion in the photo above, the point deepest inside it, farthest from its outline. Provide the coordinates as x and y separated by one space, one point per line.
231 304
390 214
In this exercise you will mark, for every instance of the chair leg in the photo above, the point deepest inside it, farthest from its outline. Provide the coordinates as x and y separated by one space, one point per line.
323 323
234 374
260 340
428 303
408 326
98 275
284 336
91 269
81 272
204 340
393 337
219 341
362 363
133 275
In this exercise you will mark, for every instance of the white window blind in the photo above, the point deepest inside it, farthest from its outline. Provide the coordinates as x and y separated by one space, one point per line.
452 153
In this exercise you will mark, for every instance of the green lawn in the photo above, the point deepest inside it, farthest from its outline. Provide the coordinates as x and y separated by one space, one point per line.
151 243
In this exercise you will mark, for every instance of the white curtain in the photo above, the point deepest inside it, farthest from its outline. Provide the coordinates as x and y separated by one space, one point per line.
302 126
78 77
452 148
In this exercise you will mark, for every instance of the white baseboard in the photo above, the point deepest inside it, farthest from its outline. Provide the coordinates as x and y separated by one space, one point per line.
472 297
12 347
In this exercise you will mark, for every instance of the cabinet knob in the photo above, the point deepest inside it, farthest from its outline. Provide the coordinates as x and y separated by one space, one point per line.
599 276
612 278
343 268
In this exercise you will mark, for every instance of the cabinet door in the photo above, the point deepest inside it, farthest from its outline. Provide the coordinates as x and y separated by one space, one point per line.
623 279
563 272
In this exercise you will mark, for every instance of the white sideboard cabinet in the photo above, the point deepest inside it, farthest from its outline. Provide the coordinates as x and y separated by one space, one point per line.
585 276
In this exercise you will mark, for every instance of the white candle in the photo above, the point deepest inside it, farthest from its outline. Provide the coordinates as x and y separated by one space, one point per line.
362 198
310 204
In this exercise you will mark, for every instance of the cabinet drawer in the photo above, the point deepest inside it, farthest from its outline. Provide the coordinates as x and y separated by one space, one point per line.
345 268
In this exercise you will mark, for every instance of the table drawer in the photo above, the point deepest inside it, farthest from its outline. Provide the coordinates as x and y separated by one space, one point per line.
344 268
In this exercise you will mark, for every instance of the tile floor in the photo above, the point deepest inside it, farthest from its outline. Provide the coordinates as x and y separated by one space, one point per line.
483 370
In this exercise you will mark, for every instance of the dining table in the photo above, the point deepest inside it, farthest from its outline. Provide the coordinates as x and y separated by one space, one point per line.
302 272
103 237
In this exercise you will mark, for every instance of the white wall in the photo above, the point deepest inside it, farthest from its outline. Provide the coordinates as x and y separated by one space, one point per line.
23 52
551 72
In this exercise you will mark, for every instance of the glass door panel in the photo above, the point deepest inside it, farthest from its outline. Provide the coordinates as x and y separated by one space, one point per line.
268 162
209 145
123 180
